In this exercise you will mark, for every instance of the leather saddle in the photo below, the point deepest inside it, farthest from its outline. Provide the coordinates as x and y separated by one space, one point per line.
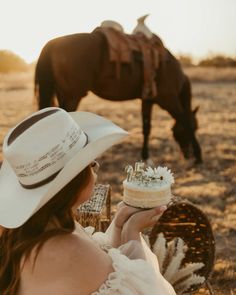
121 47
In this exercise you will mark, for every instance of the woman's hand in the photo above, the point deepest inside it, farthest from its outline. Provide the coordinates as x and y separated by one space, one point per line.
115 228
129 222
138 221
123 213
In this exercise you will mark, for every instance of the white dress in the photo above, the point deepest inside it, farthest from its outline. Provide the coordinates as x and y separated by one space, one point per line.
132 275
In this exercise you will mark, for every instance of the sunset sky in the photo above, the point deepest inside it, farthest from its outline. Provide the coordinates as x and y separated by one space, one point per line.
196 27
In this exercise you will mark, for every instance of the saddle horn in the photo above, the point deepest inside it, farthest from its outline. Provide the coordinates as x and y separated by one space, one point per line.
142 19
142 27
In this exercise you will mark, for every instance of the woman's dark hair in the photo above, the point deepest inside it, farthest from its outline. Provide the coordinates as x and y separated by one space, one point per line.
18 243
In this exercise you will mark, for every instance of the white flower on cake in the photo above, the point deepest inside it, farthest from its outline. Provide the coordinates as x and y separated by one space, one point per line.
161 173
165 174
150 172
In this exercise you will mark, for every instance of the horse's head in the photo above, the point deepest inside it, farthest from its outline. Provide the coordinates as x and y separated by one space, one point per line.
183 135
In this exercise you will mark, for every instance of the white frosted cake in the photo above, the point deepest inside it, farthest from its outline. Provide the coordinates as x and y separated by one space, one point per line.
147 188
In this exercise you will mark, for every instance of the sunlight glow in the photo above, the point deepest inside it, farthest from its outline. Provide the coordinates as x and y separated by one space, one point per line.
195 27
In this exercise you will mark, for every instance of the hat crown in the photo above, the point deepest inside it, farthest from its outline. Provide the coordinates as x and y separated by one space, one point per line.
36 152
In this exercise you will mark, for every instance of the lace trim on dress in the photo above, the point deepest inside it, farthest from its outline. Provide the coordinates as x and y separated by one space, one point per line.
114 279
112 283
99 238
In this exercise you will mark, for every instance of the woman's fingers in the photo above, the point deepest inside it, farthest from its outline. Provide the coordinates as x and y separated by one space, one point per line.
123 214
160 210
140 221
120 205
143 219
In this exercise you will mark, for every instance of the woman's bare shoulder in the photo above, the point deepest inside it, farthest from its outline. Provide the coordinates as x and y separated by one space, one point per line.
73 260
78 251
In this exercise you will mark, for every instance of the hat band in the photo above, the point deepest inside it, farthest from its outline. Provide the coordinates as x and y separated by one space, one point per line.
40 183
49 178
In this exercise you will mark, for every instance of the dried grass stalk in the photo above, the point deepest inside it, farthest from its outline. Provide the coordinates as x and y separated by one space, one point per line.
170 252
170 257
146 239
159 249
184 286
185 272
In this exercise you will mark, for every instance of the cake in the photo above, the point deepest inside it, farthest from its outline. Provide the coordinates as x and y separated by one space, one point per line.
147 187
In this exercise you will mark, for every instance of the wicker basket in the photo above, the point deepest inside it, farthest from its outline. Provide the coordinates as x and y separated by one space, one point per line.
97 211
183 219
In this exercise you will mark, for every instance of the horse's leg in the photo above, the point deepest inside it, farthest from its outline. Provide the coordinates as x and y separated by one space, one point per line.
185 97
44 84
184 120
67 100
196 148
71 104
146 117
197 152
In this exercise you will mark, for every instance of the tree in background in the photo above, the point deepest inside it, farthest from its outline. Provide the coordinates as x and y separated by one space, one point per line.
10 62
218 61
185 60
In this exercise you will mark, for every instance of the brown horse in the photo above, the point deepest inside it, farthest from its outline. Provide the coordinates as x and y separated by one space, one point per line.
72 65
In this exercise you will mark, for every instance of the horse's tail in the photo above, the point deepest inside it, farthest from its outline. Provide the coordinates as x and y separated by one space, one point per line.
44 85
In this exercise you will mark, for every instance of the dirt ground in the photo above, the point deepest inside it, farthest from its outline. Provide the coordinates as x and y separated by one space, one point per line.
211 186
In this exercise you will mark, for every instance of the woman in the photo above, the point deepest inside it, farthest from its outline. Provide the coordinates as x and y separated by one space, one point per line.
48 171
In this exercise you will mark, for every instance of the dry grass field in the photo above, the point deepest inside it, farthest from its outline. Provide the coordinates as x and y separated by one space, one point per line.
211 186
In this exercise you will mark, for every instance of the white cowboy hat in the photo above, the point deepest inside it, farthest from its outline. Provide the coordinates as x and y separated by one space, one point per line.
45 152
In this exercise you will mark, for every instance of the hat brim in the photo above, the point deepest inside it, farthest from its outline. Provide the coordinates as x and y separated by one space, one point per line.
18 204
